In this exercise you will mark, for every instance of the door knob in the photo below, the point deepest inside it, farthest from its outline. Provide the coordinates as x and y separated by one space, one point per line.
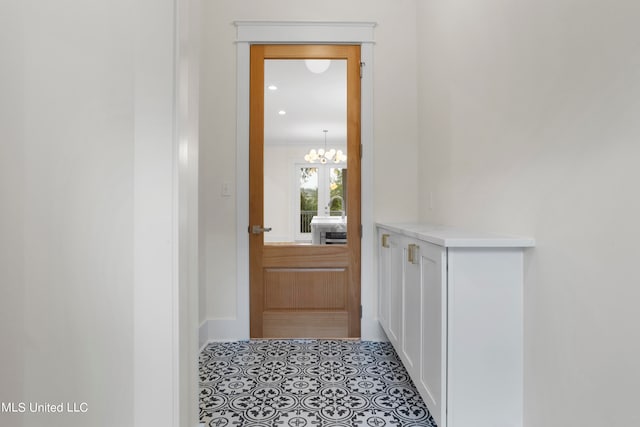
256 229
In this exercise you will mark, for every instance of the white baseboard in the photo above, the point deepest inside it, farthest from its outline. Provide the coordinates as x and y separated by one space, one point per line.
203 334
222 330
372 331
212 330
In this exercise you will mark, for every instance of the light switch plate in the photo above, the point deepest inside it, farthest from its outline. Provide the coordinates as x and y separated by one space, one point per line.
226 189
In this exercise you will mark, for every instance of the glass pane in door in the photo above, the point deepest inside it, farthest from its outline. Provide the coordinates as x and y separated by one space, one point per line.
305 148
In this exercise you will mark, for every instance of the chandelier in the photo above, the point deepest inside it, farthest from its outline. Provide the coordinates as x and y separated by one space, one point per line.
323 155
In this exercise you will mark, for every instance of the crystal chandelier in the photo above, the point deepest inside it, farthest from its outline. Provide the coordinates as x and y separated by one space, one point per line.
323 155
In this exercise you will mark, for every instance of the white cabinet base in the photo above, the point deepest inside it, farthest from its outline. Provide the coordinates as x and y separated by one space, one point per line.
451 304
484 337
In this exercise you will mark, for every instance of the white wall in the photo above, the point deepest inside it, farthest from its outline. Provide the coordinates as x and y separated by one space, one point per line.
529 125
12 210
395 101
89 215
69 195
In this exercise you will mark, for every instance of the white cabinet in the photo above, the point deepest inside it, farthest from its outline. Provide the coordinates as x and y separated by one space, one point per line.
390 291
450 302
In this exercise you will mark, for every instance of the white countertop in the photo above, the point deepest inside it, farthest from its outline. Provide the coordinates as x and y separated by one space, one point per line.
451 237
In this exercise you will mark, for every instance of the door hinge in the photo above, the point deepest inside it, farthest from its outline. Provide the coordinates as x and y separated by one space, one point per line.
362 64
361 231
361 311
361 150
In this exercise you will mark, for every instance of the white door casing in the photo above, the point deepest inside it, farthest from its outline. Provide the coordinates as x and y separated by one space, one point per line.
260 32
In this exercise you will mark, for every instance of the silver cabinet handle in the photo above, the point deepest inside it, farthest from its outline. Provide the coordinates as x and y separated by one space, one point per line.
256 229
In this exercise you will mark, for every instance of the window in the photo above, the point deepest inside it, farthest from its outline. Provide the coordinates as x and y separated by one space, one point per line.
308 198
321 192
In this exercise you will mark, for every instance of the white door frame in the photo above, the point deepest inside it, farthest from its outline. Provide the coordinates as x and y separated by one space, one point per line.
261 32
165 236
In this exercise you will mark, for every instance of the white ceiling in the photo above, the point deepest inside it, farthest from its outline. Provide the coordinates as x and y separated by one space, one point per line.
312 102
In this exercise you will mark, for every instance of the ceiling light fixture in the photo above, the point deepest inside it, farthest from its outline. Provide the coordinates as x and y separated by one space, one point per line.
323 155
317 66
272 87
282 112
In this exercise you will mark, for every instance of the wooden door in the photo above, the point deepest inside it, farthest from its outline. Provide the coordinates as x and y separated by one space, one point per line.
301 289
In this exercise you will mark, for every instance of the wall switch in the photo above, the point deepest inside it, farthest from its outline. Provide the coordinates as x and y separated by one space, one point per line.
226 189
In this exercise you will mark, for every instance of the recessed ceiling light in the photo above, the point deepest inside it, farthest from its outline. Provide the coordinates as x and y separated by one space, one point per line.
282 112
272 87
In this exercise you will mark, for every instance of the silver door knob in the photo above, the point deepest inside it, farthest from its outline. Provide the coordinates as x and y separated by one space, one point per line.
256 229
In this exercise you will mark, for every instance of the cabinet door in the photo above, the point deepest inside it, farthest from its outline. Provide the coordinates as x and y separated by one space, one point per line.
384 278
433 362
411 334
390 286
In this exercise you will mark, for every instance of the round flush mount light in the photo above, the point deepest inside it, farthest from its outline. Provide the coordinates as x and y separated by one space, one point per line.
317 66
272 87
282 112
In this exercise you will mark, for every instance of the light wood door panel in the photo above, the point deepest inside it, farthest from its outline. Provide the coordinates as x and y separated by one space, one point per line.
319 324
304 290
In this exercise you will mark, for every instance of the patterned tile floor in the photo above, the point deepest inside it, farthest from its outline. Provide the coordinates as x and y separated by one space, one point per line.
307 383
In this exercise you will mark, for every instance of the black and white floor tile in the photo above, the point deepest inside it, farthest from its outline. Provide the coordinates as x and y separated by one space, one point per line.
307 383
